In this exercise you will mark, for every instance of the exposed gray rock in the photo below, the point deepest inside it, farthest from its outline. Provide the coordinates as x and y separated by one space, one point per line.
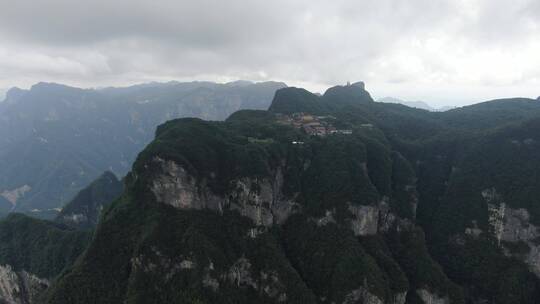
239 273
365 219
473 231
20 287
175 187
210 282
14 195
513 225
326 219
431 298
362 295
187 264
267 282
272 287
399 298
369 220
496 211
258 199
158 262
255 232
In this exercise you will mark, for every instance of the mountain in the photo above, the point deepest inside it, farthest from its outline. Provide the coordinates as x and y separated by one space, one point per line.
412 104
55 139
235 213
32 253
84 210
445 108
320 199
325 199
415 104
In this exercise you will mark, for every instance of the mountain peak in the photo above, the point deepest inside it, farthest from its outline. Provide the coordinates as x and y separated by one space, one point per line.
239 83
52 87
84 210
13 94
292 100
359 84
348 94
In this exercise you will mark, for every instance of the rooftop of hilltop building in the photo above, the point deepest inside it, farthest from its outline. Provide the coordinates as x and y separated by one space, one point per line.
312 124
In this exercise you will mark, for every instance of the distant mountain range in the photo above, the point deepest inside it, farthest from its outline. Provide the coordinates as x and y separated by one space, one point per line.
56 139
414 104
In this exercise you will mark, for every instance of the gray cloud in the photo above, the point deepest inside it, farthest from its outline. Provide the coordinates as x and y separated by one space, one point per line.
447 51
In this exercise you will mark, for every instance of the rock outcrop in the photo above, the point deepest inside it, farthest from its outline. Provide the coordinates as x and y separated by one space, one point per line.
370 220
365 219
15 194
20 287
240 274
261 200
431 298
362 295
513 227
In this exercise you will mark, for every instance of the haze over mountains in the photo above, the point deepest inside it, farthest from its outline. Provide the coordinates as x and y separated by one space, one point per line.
414 104
55 139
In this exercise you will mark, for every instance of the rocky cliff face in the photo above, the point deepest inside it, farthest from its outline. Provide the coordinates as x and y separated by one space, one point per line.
261 200
241 274
370 220
431 298
20 287
513 230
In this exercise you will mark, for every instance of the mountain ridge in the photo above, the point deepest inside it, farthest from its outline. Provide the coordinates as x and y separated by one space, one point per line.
359 215
322 199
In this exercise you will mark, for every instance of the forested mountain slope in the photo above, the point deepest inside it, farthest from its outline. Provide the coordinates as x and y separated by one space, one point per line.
85 209
325 199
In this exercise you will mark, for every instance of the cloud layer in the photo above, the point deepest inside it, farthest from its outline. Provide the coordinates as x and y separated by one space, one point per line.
443 51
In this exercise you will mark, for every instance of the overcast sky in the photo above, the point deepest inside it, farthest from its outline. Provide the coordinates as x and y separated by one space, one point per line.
440 51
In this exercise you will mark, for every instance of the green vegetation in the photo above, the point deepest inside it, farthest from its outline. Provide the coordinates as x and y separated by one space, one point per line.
429 169
84 210
333 262
295 100
39 247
